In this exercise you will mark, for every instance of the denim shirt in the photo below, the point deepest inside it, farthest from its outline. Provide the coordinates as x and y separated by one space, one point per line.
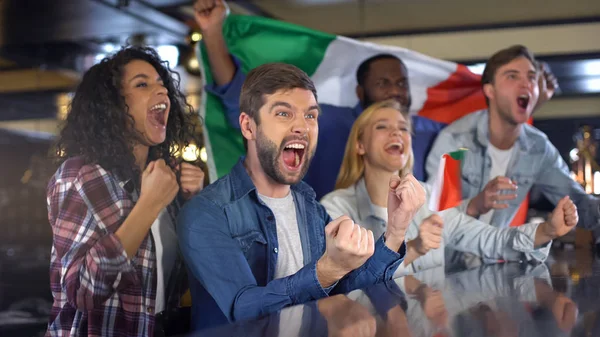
228 238
460 232
335 123
534 162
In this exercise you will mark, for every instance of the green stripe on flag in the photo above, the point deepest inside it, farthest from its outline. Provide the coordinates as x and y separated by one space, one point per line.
254 41
458 154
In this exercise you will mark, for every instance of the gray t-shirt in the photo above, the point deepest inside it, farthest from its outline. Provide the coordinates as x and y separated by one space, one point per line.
290 258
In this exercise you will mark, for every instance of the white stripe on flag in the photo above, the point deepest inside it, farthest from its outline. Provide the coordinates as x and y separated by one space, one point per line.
335 77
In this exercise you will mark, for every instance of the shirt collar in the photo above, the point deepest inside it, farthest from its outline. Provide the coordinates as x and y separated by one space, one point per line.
483 132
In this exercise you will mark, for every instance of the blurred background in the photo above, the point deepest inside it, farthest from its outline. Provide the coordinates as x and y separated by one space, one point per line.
45 46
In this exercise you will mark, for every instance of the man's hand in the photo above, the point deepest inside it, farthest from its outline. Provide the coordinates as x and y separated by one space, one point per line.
209 15
547 83
430 234
562 220
490 197
406 196
348 246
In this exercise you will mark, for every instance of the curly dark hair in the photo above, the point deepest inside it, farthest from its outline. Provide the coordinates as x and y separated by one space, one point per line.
99 128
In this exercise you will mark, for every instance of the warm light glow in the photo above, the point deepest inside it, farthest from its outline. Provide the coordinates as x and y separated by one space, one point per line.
177 153
204 155
190 153
193 63
573 175
588 178
196 36
62 103
596 182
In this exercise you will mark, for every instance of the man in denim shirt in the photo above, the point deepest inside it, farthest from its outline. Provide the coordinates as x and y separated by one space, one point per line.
256 240
506 157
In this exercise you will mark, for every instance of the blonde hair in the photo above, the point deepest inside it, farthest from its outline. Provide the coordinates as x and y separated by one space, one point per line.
353 167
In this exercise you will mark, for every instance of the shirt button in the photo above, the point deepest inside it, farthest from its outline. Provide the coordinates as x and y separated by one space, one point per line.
270 218
149 310
275 250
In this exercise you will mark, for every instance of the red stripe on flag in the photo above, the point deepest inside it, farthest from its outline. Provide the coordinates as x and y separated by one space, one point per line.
451 194
457 96
521 215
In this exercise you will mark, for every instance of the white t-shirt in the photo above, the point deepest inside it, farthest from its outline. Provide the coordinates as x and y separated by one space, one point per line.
165 241
500 160
290 258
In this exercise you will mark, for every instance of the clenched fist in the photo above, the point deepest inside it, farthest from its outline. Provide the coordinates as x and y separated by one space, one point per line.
159 185
191 179
348 246
430 234
209 14
406 196
563 219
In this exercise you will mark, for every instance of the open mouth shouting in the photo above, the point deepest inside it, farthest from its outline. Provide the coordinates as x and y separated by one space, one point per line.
158 114
523 101
395 148
293 155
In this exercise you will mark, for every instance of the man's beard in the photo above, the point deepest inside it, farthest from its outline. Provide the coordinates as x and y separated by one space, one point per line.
268 153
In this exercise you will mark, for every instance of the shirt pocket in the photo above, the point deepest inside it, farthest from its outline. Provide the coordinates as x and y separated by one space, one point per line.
251 240
523 180
524 184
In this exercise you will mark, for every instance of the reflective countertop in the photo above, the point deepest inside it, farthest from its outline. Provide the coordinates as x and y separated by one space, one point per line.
559 298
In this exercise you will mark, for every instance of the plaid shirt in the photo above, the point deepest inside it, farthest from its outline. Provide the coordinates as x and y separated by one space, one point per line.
97 289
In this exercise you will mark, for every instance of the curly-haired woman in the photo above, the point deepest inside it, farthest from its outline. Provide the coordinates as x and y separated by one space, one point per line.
112 202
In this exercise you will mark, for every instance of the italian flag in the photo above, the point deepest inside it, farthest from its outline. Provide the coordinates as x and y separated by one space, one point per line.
447 190
441 90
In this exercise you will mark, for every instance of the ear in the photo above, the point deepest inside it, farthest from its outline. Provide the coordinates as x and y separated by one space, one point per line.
360 148
488 91
360 93
248 126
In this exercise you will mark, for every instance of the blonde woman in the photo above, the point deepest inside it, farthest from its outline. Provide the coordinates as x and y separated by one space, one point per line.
379 147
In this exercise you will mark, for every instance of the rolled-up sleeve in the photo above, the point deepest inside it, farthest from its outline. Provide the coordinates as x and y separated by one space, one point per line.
229 94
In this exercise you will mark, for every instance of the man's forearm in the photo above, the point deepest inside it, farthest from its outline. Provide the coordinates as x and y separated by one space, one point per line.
541 236
221 64
393 242
327 273
411 252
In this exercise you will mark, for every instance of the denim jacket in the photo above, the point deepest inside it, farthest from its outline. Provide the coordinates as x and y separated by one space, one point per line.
534 162
228 238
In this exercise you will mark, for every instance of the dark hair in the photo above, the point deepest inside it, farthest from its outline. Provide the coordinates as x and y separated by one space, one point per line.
268 79
363 69
99 128
502 58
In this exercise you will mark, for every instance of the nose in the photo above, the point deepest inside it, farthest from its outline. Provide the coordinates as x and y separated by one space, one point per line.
300 125
161 89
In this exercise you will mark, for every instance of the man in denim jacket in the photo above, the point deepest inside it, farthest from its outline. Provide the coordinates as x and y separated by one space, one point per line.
256 240
506 157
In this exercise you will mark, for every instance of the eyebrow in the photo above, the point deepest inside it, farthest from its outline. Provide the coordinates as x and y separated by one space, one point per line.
287 105
386 120
510 71
144 76
514 71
